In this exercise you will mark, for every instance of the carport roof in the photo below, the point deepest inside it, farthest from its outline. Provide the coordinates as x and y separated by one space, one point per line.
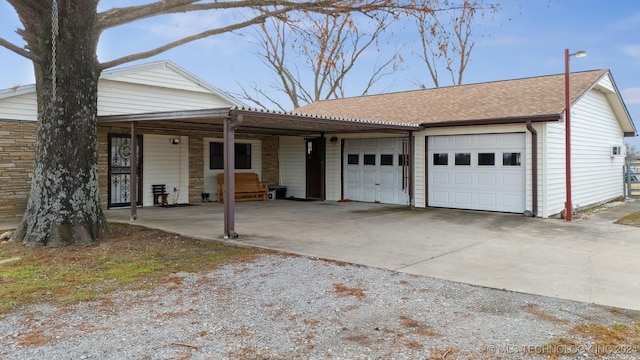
256 122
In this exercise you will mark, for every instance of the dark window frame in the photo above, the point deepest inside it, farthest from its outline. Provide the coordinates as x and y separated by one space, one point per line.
438 159
463 161
511 159
242 156
486 159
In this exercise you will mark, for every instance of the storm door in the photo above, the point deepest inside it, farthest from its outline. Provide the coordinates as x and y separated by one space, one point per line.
120 170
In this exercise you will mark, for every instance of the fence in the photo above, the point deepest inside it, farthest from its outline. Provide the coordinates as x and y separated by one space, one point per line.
632 180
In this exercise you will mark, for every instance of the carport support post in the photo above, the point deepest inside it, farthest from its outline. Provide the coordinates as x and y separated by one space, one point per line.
229 178
133 178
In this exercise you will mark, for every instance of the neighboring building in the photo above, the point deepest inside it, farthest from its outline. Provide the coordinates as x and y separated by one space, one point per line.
467 146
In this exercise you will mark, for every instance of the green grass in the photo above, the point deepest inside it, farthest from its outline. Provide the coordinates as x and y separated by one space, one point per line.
132 258
632 219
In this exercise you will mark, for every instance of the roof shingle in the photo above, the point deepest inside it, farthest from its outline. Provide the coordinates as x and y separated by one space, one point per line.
507 99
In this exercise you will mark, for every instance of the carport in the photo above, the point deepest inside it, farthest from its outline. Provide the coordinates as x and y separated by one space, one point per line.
232 121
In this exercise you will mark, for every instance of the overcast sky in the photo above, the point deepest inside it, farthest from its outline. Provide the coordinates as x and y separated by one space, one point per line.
527 38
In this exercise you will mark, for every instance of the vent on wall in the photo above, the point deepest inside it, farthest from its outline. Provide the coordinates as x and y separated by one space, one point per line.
616 150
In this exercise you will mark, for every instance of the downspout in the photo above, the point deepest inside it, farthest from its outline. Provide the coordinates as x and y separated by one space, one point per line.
534 168
229 197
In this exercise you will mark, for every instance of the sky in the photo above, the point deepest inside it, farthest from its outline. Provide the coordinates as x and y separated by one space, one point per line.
526 38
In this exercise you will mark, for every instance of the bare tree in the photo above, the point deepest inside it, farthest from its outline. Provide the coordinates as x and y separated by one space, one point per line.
313 55
447 38
61 38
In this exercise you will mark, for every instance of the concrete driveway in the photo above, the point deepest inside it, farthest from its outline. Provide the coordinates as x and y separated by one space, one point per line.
590 260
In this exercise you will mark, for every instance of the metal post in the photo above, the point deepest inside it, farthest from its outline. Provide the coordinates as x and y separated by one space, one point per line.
133 178
229 176
568 206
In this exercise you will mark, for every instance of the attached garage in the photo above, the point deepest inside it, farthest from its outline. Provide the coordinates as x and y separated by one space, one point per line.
375 170
477 172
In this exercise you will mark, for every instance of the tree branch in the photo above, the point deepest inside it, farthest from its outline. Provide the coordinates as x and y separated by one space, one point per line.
147 54
16 49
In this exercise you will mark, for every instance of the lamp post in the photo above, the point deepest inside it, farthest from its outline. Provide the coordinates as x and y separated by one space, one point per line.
568 206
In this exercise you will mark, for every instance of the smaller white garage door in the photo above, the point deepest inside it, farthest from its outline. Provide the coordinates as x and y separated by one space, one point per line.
374 172
478 172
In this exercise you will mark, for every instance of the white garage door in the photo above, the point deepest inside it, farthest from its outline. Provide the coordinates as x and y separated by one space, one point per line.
478 172
374 171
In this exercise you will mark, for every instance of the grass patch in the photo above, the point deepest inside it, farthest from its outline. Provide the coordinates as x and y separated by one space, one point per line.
632 219
132 257
612 339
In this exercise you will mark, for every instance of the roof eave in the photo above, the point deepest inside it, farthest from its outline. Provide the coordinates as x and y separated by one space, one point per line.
496 121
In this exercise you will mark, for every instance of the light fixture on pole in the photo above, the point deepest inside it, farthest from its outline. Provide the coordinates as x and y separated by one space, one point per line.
568 206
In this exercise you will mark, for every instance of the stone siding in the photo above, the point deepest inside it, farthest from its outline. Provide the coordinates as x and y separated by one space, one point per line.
17 156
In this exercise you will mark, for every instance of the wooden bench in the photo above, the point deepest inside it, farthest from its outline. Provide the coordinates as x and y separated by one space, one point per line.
248 187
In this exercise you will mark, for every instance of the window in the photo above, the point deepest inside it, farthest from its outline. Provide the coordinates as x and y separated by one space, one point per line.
242 154
216 155
441 159
486 159
511 159
463 158
353 159
386 159
369 159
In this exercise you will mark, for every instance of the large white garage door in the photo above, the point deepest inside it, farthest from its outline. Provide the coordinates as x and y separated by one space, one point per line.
478 172
374 171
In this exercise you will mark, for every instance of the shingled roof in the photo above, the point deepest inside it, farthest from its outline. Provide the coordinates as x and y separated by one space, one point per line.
539 98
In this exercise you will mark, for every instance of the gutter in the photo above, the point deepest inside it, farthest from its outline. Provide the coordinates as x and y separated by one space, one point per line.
534 168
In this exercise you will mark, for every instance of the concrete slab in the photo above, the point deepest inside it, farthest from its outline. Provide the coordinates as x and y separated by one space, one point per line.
591 260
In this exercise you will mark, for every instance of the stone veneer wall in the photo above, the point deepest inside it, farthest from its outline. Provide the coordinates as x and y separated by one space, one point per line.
17 155
270 161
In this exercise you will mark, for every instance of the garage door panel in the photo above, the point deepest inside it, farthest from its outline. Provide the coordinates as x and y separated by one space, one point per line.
369 193
479 187
487 201
440 178
462 199
514 180
462 178
353 192
463 141
387 178
369 176
487 179
353 175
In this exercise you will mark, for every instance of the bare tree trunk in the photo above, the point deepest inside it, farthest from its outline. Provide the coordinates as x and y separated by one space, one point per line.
64 204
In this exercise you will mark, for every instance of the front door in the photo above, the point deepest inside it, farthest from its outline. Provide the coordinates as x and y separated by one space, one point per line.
120 170
315 168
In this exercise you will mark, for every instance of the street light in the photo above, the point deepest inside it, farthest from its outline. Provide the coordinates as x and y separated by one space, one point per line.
568 206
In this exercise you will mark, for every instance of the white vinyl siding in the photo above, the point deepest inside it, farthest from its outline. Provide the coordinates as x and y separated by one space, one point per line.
420 171
596 175
168 164
293 166
210 180
158 76
554 169
19 107
117 98
333 170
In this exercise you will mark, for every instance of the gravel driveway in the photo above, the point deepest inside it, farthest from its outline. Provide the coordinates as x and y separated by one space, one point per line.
288 307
